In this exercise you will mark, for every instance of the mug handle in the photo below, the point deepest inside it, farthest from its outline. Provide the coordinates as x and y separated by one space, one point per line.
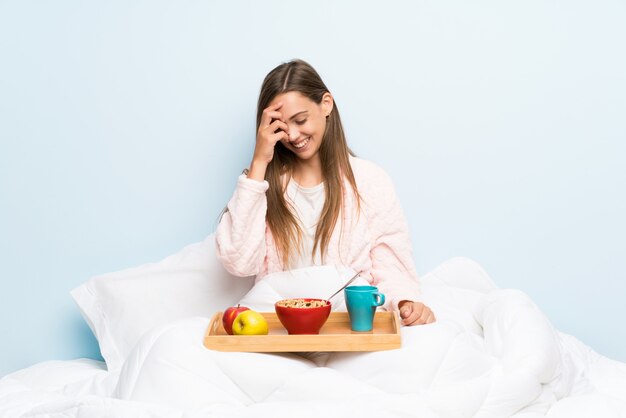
379 299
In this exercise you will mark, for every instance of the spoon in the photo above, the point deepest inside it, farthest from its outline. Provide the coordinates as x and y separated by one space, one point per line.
345 285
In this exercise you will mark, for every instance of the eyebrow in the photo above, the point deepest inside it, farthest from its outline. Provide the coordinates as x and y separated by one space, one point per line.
297 114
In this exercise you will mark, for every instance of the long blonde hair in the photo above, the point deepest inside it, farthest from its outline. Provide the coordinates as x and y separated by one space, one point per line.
301 77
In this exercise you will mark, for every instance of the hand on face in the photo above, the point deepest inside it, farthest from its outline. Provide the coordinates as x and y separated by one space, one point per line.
295 120
271 130
415 313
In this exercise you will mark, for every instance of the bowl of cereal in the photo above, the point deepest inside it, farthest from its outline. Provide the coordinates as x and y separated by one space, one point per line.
302 316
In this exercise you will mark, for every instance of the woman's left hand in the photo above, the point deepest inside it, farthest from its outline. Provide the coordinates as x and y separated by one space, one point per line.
415 313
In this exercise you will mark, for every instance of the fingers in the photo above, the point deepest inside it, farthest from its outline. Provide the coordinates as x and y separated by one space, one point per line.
269 113
279 132
406 311
417 314
276 131
272 127
278 125
427 316
271 130
280 136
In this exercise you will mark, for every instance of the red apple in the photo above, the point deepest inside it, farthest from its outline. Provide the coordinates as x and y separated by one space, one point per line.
229 317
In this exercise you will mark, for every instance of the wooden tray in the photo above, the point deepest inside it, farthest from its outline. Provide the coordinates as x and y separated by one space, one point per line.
335 335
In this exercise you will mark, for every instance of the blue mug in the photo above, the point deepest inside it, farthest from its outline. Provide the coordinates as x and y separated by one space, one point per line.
362 302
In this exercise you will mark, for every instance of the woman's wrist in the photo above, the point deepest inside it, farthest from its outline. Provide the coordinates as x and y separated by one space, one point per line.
257 171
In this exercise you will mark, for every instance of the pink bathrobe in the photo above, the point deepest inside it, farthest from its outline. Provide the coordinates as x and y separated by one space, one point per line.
375 242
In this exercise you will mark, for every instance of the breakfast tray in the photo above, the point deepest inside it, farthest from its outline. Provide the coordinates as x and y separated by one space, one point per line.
335 335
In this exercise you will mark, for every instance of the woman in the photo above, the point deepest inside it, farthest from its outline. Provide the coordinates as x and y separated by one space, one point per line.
307 200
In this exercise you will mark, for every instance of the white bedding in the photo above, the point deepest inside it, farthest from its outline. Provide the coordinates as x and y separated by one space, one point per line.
492 353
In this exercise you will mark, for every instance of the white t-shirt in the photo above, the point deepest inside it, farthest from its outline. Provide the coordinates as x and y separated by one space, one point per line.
308 203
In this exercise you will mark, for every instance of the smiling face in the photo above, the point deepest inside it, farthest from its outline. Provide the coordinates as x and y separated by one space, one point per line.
306 121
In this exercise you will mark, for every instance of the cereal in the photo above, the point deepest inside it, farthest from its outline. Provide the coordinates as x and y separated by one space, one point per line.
301 303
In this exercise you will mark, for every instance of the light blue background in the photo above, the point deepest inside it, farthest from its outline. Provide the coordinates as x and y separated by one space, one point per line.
124 125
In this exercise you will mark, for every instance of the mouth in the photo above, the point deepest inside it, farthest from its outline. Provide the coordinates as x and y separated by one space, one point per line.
301 144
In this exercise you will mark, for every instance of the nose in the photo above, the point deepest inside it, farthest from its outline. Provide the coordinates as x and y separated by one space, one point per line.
293 133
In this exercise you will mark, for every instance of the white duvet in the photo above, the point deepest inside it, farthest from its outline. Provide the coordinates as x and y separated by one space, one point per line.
491 353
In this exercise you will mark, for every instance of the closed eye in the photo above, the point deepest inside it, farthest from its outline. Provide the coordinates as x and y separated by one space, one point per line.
301 122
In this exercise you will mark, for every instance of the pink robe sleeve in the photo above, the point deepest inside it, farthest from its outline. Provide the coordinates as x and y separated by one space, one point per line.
240 235
393 268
